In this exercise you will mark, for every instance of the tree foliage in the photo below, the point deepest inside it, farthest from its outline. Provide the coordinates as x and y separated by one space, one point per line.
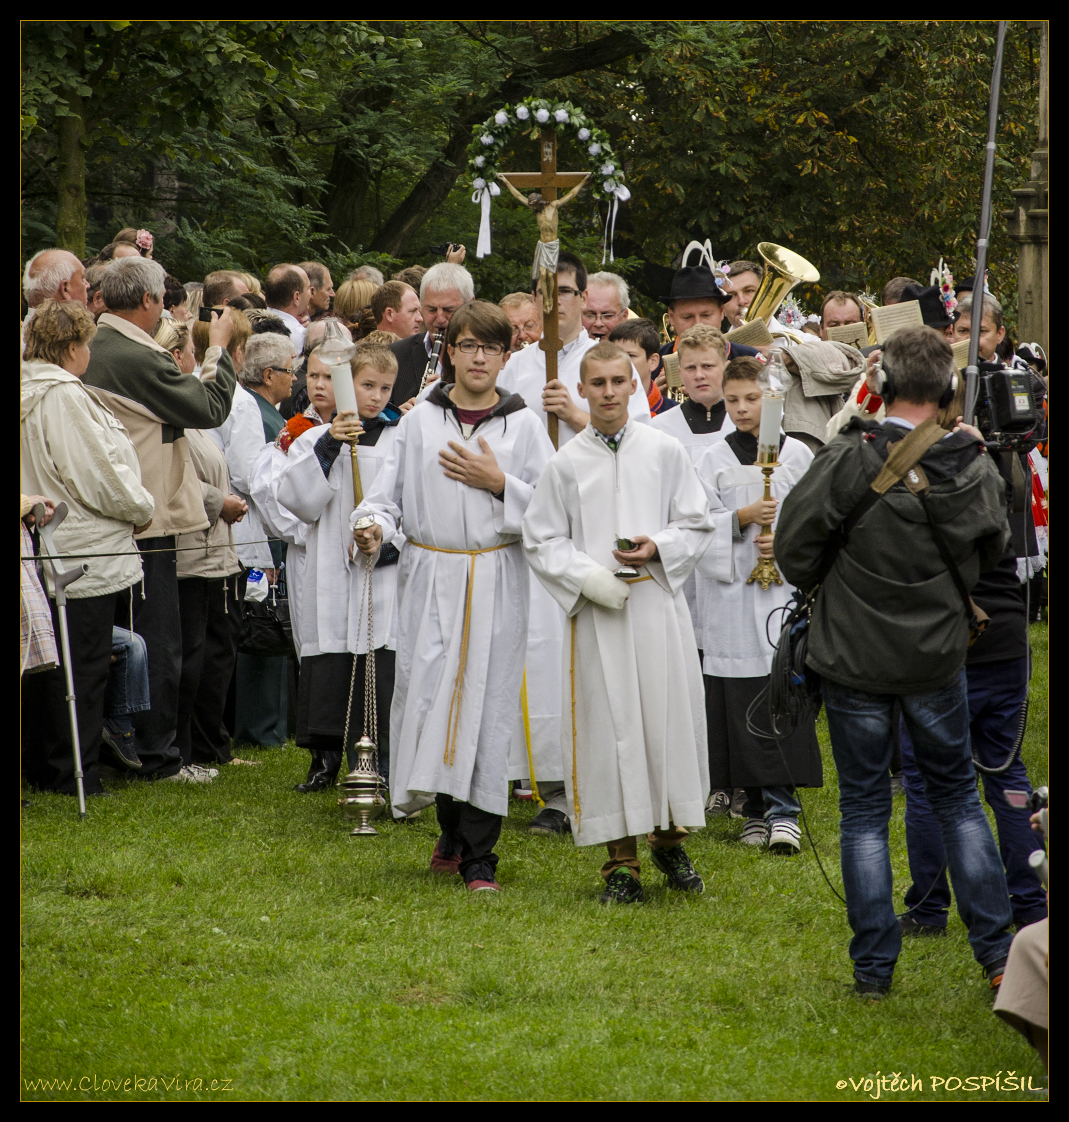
857 143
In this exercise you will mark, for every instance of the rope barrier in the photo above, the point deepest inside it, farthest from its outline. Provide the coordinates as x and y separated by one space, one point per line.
143 552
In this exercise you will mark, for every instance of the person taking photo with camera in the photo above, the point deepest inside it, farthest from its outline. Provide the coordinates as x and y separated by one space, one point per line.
889 528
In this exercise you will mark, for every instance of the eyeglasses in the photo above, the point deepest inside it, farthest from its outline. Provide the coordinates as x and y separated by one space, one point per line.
566 291
601 317
282 369
470 347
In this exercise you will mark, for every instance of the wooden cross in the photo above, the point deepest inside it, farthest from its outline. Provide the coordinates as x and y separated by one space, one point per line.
547 181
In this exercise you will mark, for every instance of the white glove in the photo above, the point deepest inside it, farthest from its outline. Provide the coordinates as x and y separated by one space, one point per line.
601 587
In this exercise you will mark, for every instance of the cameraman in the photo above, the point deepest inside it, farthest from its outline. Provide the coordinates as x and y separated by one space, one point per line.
889 624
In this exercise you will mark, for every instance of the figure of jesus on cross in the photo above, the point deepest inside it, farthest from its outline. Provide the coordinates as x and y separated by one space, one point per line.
546 206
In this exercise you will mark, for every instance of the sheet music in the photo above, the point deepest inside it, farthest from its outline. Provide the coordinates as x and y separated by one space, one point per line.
895 317
755 334
961 354
853 334
671 372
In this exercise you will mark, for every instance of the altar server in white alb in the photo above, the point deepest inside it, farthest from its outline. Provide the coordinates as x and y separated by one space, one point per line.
317 486
536 742
625 496
737 652
457 483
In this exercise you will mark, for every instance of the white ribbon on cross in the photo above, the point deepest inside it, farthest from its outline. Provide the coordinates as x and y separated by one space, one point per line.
620 195
482 196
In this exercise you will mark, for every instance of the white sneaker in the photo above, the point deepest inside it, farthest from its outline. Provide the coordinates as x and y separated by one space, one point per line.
738 801
785 837
719 802
755 832
193 773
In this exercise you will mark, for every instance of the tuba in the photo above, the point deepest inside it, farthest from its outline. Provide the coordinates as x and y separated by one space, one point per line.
784 271
870 305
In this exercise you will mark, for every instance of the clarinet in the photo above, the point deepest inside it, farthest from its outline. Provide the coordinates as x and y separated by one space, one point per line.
432 362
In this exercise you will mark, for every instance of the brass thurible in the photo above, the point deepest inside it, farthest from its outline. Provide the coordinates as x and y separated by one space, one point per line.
765 570
363 800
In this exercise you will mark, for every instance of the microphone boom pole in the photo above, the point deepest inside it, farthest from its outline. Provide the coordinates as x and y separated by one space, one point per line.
972 371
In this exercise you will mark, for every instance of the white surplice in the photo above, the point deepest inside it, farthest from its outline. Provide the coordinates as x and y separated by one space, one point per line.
281 523
736 613
462 600
540 751
333 592
673 421
241 437
636 755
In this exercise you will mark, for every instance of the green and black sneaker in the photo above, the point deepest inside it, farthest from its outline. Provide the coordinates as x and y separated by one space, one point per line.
622 888
678 868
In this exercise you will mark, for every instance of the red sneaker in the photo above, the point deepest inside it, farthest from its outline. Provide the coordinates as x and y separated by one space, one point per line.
483 886
449 866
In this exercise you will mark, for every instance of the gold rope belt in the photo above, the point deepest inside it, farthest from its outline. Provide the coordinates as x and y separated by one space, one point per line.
452 728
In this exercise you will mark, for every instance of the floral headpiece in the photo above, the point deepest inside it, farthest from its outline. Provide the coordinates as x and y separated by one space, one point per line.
293 429
943 279
791 314
144 241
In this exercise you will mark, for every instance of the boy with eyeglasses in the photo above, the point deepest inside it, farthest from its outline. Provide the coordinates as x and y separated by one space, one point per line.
456 484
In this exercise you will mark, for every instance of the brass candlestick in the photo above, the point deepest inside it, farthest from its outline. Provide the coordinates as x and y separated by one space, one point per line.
765 570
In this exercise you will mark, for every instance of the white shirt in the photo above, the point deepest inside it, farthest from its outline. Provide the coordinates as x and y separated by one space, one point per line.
297 329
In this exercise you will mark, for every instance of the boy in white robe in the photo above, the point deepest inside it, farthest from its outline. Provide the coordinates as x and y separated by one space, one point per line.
623 494
700 422
737 651
458 481
316 485
536 744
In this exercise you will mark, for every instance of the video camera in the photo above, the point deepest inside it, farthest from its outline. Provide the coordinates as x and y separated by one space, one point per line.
444 248
1006 411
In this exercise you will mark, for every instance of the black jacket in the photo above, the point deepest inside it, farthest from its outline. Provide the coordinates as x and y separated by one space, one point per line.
411 356
888 618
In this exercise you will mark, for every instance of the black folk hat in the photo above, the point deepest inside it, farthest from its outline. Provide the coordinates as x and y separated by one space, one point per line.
933 310
695 282
967 285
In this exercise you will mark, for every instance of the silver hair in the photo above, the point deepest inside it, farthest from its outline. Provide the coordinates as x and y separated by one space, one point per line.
445 275
262 351
368 272
128 279
43 282
992 308
611 280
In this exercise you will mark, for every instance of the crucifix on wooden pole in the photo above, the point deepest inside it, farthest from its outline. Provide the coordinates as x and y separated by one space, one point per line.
546 206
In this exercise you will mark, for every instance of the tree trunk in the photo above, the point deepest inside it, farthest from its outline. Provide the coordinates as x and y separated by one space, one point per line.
70 202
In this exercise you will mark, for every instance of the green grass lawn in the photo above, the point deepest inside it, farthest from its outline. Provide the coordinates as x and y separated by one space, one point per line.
235 933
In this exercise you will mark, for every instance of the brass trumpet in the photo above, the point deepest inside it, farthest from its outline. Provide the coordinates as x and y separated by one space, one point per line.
784 271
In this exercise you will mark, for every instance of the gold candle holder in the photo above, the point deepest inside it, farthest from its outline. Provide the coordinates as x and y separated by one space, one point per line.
765 570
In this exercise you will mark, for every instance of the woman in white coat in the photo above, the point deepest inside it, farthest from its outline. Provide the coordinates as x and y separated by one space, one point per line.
75 451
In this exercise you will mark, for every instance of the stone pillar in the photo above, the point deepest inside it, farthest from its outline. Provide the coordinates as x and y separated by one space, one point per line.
1027 223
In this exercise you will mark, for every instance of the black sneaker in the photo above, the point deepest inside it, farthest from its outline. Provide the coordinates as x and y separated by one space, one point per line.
121 744
622 888
909 926
678 868
993 974
548 821
871 990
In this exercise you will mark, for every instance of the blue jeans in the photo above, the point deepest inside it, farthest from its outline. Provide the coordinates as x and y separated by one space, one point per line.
771 803
127 691
996 692
861 741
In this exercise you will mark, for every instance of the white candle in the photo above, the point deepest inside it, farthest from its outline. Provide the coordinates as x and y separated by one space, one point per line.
768 437
344 394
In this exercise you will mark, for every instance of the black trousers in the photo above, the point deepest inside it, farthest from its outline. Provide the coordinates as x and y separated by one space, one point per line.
208 734
199 599
47 749
469 831
158 620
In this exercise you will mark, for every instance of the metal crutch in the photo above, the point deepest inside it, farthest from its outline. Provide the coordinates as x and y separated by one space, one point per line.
61 577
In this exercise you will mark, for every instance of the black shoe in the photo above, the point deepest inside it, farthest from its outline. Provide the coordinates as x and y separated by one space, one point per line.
909 926
324 776
872 990
548 821
993 974
622 888
678 868
121 745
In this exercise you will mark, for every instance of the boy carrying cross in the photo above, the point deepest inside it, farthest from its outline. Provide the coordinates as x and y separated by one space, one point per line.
621 494
457 482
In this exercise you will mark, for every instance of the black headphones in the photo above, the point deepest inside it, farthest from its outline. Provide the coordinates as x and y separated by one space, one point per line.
886 385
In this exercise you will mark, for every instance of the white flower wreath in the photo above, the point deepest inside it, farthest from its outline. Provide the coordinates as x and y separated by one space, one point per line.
489 140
